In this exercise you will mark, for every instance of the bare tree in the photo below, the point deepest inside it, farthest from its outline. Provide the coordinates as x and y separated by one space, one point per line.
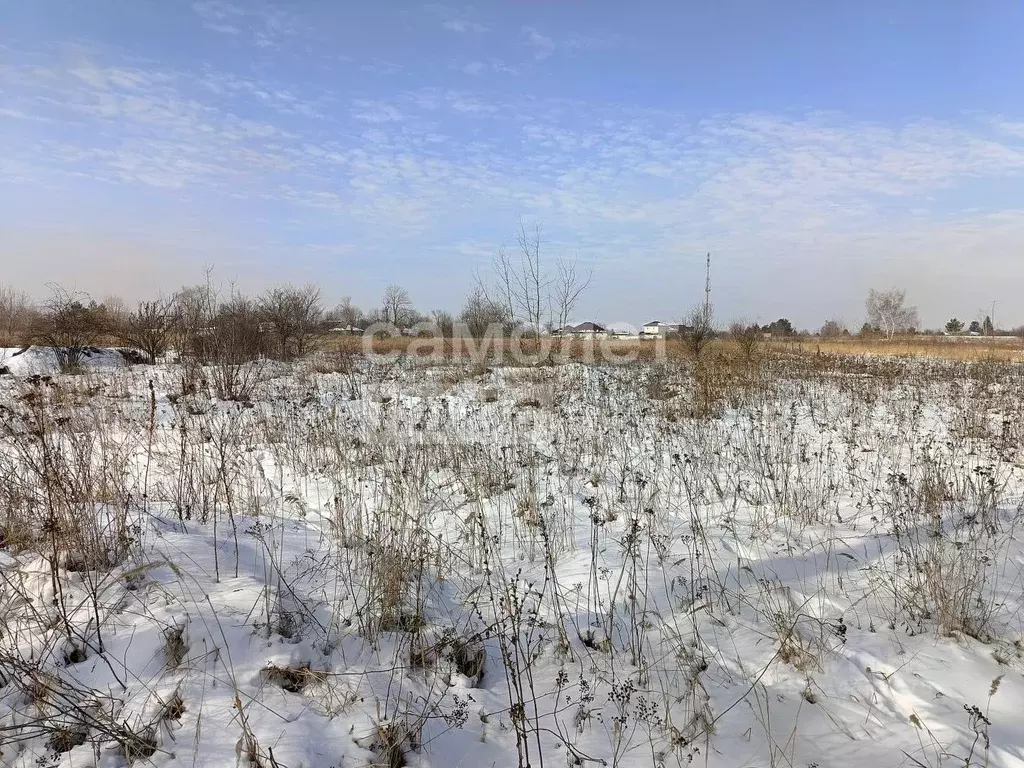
526 289
115 308
531 282
569 285
413 317
293 313
70 324
395 305
150 328
479 314
347 314
833 329
444 322
748 336
699 330
889 311
197 306
15 316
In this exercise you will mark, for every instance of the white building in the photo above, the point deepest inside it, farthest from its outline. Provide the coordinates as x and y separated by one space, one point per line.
660 328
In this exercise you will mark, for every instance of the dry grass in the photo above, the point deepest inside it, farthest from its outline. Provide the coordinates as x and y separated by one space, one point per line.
292 679
1003 349
963 348
575 350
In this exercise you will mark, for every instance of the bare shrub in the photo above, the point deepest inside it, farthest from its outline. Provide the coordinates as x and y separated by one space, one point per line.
443 322
748 336
833 329
234 347
196 306
347 314
717 383
480 314
71 324
151 327
16 317
699 330
293 314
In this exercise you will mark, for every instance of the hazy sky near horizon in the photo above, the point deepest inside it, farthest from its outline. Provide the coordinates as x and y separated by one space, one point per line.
816 149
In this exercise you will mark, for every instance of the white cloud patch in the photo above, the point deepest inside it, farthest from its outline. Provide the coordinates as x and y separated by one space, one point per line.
266 25
492 65
375 112
382 67
542 45
591 42
464 26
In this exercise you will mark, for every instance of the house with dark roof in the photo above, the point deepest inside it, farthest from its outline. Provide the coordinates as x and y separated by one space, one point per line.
584 330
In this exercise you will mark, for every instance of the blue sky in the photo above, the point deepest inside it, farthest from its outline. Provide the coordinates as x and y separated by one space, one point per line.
816 149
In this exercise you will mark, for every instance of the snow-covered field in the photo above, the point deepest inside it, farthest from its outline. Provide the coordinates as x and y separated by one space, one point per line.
812 562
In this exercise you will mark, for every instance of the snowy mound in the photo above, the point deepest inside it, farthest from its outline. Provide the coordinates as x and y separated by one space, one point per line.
45 360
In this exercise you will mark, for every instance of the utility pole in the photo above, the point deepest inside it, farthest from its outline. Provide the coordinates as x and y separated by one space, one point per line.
707 291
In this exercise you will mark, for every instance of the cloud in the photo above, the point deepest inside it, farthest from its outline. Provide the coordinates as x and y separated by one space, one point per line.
266 25
792 203
464 26
382 67
490 65
458 20
542 45
375 112
17 114
579 42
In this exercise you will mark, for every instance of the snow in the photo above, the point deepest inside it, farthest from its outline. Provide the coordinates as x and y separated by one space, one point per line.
752 587
43 361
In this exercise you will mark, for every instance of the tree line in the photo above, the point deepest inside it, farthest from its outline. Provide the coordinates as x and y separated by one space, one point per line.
522 290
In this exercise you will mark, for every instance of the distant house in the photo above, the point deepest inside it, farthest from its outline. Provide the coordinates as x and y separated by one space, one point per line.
661 328
584 330
622 332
